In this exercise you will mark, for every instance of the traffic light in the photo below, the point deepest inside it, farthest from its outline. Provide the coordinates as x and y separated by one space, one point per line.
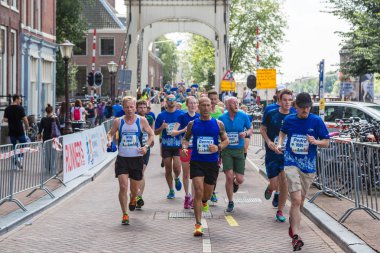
98 78
90 79
251 81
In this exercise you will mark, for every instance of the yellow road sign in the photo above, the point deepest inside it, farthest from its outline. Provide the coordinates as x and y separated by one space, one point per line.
322 104
266 79
227 85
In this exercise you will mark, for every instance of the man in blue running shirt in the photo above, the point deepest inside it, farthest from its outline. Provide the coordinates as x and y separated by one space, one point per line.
305 132
164 124
274 163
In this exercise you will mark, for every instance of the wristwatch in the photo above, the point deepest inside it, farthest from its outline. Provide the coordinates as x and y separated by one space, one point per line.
147 146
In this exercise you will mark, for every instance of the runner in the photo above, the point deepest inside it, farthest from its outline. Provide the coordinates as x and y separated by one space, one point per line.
274 163
179 129
215 113
305 132
142 111
170 145
129 162
204 167
233 158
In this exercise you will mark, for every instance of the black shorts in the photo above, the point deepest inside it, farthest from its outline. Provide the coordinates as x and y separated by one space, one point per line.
129 165
146 157
169 152
208 170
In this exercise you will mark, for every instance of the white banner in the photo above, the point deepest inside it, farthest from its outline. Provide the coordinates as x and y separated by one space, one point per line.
82 151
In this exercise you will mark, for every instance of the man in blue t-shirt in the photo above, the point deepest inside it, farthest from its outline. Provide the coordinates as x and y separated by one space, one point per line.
170 146
233 158
117 109
274 106
274 163
305 132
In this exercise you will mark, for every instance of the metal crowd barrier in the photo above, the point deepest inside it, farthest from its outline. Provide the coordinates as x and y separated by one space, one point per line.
257 139
108 124
350 170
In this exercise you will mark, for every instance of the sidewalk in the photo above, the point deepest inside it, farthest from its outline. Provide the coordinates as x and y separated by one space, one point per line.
89 221
359 223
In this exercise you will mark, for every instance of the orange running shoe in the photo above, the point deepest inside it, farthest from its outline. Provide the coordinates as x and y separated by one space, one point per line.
132 204
198 231
125 219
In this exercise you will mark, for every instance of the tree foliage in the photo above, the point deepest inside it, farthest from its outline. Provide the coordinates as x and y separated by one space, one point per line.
167 52
245 16
361 48
201 57
70 26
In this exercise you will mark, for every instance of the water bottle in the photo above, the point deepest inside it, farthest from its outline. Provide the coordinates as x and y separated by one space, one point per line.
112 148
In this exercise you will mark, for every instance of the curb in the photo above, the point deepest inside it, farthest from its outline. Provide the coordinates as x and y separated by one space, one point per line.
346 239
18 217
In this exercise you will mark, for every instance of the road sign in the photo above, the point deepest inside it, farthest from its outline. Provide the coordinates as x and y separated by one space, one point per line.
228 82
266 79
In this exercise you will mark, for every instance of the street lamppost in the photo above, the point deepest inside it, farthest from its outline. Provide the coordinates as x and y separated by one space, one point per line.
112 68
66 49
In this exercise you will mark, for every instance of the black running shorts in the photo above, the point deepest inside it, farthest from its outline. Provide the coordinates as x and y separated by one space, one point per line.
208 170
169 152
133 166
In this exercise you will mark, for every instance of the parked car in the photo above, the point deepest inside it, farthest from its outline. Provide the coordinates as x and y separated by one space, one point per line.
346 109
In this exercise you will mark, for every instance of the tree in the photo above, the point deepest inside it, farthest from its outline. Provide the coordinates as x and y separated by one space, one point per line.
201 56
167 52
70 26
361 49
245 16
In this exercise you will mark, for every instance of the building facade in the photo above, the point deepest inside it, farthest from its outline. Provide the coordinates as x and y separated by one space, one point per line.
38 54
9 51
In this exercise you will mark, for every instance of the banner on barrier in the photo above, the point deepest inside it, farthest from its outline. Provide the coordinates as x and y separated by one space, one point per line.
82 151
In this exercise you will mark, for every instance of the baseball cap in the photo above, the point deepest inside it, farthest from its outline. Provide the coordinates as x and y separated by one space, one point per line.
303 100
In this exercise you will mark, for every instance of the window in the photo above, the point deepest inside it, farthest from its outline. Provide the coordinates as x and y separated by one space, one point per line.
13 65
107 46
333 112
3 60
81 77
81 48
14 4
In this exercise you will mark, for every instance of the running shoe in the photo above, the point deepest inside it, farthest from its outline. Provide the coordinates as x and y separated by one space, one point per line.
280 217
236 187
275 200
125 219
230 207
132 204
290 231
178 184
297 243
214 198
267 193
205 207
198 231
186 203
171 194
140 202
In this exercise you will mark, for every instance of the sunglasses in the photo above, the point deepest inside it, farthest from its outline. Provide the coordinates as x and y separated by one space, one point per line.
171 99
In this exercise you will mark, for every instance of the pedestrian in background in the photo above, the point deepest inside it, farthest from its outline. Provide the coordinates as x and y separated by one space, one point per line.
91 114
49 125
100 112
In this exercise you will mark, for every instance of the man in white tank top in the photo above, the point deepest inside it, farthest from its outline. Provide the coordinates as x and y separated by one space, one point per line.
129 162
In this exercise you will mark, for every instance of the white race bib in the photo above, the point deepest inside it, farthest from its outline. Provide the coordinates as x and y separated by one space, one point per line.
170 128
299 144
233 138
203 144
129 140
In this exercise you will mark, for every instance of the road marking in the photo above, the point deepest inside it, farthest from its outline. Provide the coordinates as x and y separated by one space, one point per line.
254 165
206 242
231 221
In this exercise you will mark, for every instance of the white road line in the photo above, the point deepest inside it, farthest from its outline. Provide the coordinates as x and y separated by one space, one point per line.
206 238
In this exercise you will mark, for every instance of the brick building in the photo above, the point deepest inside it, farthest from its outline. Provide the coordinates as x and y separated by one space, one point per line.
38 54
9 50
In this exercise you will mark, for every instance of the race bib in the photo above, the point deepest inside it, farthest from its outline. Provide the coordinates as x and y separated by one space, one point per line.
170 128
233 138
191 142
283 143
144 138
299 144
203 144
129 140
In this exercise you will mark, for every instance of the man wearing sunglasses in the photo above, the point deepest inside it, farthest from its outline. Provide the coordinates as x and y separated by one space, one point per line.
165 123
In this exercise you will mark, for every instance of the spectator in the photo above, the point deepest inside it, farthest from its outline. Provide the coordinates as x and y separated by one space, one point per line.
78 114
100 112
46 127
62 115
108 112
91 114
14 114
247 96
117 109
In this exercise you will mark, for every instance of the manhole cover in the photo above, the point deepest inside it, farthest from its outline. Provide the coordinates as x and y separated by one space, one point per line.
184 214
245 200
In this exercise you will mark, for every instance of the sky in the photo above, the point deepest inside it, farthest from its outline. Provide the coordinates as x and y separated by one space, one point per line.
310 37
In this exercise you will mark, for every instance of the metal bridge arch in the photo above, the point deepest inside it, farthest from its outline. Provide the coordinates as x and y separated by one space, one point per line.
210 18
